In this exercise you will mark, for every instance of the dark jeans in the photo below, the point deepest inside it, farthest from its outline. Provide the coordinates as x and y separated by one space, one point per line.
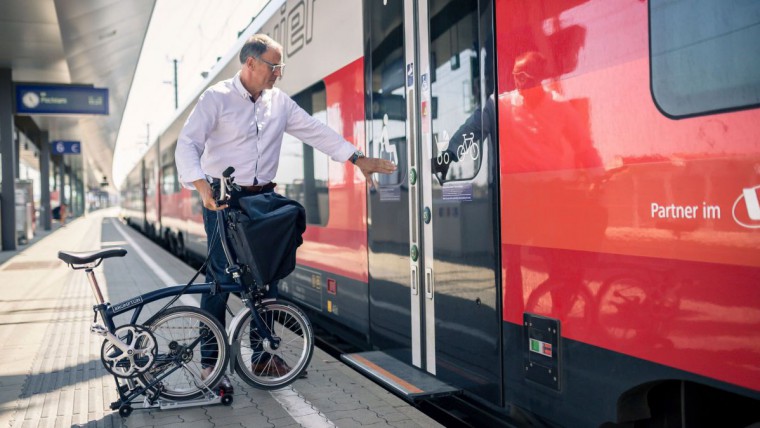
216 304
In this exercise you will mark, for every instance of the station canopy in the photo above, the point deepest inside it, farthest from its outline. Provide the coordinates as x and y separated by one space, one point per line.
88 42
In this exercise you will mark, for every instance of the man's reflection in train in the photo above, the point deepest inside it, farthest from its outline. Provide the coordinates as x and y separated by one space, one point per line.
541 132
545 132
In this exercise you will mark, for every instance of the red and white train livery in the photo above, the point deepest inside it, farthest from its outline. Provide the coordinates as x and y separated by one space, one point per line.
573 231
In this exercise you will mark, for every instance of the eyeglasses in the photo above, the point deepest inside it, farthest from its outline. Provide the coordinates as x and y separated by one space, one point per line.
275 67
522 76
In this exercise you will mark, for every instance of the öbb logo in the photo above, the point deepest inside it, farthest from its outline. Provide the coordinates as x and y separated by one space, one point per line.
747 214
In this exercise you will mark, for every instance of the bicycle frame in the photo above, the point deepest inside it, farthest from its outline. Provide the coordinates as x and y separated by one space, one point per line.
108 312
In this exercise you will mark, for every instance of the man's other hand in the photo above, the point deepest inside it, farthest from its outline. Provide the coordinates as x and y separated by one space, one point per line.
207 195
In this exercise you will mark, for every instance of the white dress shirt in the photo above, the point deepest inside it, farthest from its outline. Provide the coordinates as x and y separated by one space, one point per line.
226 129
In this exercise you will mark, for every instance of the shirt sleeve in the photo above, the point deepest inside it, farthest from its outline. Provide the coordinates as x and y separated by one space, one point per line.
192 140
311 131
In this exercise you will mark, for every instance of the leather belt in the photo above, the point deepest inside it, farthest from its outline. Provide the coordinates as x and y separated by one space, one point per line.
256 189
250 189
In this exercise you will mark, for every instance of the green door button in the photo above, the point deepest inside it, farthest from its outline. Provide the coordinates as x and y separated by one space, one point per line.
415 253
426 215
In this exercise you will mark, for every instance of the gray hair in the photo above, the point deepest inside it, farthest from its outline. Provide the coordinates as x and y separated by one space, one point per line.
256 45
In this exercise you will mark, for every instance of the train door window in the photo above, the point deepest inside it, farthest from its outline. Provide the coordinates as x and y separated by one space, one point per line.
303 171
456 89
705 55
387 124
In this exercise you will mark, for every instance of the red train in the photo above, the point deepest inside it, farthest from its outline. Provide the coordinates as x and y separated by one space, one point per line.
573 230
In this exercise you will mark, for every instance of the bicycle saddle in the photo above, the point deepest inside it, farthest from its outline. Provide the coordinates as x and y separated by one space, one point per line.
84 257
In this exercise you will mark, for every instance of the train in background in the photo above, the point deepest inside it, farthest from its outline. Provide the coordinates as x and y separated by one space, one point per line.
573 232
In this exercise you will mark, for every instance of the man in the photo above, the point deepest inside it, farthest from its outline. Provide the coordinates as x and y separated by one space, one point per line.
240 122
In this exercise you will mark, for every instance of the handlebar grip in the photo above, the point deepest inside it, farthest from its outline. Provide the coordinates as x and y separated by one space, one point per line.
228 172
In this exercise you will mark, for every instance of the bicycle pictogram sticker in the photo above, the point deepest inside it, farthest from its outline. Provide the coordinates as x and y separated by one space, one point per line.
468 147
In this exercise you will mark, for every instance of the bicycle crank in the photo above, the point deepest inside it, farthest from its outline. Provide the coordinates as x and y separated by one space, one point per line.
129 352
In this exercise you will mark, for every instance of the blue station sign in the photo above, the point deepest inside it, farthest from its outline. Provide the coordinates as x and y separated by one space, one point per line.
60 147
61 99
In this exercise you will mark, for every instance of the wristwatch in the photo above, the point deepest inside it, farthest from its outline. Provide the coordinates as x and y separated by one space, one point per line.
357 154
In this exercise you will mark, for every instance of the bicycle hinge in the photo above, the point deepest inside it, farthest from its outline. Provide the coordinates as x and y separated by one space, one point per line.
234 270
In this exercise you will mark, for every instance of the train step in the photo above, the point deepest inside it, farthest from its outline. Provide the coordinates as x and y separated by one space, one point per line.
410 383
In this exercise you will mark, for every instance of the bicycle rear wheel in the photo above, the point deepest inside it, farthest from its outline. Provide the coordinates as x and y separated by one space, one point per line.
201 344
267 365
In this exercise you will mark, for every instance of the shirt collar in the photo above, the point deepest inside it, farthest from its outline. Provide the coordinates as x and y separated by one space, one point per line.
238 85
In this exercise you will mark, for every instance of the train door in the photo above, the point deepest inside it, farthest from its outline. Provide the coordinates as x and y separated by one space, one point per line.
433 230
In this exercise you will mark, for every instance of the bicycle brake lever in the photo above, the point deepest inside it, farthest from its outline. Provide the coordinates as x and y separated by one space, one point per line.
231 185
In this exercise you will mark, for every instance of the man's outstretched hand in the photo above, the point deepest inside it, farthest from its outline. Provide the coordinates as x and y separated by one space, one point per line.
369 166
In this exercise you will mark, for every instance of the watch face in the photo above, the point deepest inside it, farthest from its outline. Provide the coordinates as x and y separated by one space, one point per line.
357 154
31 99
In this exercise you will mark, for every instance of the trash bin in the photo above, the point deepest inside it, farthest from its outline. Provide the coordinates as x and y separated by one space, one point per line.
23 228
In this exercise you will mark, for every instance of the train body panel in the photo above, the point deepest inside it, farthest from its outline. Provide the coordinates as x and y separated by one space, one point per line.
640 239
573 228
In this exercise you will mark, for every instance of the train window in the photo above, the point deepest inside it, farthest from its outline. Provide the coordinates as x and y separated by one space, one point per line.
169 180
134 189
150 179
458 130
303 170
705 55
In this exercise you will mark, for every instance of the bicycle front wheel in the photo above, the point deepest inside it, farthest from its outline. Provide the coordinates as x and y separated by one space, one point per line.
272 364
193 340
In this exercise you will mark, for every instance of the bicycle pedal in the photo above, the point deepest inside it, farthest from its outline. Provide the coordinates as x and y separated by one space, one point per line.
98 329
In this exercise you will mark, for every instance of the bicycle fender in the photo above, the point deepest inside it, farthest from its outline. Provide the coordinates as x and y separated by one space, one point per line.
234 348
234 323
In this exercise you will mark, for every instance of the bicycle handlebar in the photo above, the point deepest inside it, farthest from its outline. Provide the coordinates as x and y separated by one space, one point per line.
226 183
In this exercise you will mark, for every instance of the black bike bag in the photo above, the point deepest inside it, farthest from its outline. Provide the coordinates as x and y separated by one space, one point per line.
265 233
